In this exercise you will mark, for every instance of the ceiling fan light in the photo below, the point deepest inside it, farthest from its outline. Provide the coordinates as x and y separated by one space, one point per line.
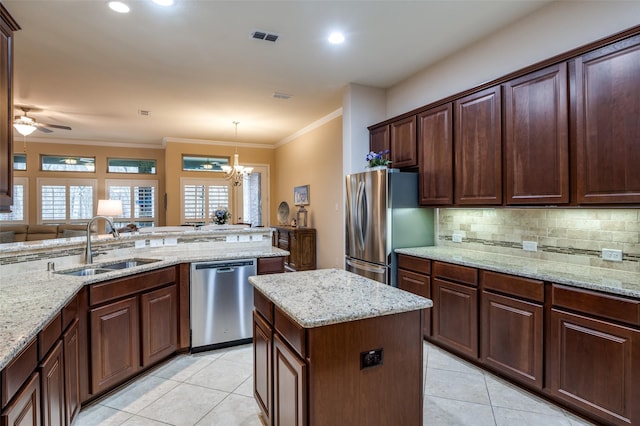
163 2
24 129
118 6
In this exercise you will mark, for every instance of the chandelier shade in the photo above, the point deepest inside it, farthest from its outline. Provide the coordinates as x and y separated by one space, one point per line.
236 173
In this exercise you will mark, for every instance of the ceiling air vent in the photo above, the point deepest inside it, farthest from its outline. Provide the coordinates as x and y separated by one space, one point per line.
264 35
279 95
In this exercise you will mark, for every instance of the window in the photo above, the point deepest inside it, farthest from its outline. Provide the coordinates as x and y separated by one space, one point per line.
19 209
66 200
139 201
124 165
19 161
67 164
204 164
201 197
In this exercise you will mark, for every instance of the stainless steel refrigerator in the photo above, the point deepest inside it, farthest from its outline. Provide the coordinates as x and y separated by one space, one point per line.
382 214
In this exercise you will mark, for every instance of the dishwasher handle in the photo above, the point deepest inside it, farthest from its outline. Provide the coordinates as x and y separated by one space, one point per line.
224 266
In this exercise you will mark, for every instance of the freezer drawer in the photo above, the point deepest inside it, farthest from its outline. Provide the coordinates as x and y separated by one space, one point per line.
372 271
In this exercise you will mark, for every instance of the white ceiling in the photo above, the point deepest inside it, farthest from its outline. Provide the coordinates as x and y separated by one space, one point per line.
195 67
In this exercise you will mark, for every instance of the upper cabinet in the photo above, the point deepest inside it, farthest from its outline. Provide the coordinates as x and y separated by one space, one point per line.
379 139
435 155
478 148
607 99
7 26
403 143
536 141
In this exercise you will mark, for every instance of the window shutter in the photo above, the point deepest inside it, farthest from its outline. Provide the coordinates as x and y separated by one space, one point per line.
54 203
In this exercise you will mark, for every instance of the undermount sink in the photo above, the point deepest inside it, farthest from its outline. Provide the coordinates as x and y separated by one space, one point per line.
96 269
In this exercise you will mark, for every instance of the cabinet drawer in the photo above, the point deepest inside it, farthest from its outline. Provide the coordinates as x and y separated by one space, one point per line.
290 331
513 286
263 306
457 273
414 283
115 289
597 304
270 265
16 373
49 336
415 264
70 312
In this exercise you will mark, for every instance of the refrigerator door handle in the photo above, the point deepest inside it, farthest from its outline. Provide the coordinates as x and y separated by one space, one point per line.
364 267
361 214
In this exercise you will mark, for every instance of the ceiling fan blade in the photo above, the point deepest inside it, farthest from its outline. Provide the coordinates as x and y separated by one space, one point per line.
56 126
44 129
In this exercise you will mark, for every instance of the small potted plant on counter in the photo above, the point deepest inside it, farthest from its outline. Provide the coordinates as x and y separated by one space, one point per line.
221 216
377 160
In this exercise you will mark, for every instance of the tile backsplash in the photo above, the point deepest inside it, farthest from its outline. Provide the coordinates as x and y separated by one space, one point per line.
565 235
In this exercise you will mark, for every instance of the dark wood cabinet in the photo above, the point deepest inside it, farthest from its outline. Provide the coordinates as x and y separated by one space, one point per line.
455 308
379 139
478 148
52 376
7 27
404 151
536 141
435 155
413 276
270 265
511 320
159 324
262 361
71 342
115 343
25 408
289 386
607 100
300 243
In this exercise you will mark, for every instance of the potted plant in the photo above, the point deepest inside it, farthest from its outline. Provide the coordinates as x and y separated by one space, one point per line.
378 159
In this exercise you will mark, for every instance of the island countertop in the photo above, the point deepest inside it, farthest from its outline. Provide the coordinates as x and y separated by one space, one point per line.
331 296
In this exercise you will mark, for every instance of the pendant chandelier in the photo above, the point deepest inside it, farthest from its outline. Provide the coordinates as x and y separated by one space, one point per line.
236 173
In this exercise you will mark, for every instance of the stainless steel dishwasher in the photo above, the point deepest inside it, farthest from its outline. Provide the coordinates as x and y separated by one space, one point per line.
221 303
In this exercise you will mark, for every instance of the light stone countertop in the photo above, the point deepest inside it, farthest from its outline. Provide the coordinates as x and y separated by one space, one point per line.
331 296
30 296
600 279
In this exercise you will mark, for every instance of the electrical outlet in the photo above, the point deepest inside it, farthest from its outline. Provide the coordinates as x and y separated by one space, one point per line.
529 246
456 237
612 255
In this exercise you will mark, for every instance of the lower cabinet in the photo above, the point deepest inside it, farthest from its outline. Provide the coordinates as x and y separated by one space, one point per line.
262 383
52 388
24 410
115 343
289 386
71 350
159 324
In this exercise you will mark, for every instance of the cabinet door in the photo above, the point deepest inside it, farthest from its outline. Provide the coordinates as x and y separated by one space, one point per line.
52 388
7 27
289 386
262 346
403 143
435 155
421 285
25 408
455 316
305 247
379 139
536 138
159 327
115 343
593 366
478 148
71 350
512 337
608 127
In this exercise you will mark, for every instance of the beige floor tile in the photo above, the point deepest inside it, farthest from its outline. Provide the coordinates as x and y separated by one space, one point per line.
99 415
504 394
222 375
138 394
184 405
450 412
456 385
182 367
142 421
443 360
242 354
510 417
236 410
246 388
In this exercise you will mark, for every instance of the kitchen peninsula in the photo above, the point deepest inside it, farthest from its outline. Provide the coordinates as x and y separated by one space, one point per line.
332 347
67 339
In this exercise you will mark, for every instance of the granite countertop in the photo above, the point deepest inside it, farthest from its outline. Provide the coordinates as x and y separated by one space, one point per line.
30 296
600 279
331 296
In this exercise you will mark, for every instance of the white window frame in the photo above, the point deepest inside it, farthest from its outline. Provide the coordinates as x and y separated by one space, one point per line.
206 182
132 183
40 182
24 182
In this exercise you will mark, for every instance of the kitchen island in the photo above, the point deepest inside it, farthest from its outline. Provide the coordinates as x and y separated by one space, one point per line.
332 347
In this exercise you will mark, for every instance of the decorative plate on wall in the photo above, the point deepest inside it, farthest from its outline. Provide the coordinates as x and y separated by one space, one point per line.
283 213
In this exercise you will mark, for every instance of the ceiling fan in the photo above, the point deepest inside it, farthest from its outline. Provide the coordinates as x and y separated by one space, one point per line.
26 125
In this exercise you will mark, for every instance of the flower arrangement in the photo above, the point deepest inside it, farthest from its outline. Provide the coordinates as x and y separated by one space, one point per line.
221 216
378 158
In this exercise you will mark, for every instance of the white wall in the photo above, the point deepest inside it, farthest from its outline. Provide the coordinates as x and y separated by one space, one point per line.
557 28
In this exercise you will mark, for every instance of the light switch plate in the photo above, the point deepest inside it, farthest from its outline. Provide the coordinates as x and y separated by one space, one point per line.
456 237
529 246
612 255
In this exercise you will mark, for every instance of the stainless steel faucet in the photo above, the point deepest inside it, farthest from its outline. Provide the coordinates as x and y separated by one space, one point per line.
88 256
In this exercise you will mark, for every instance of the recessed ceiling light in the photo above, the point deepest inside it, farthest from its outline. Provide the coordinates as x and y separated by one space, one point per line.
336 38
119 7
163 2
